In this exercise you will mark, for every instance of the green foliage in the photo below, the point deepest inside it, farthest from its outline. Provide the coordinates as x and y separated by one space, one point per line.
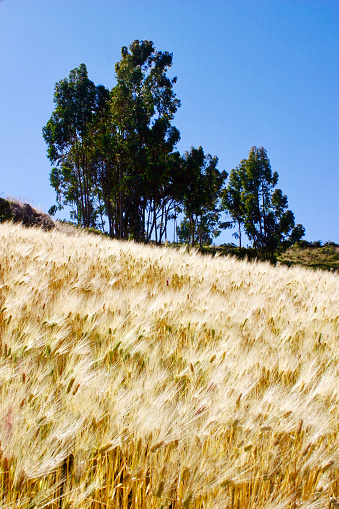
67 134
232 202
201 187
255 204
5 210
143 105
183 230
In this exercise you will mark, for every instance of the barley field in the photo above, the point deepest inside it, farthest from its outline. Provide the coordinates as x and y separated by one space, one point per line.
140 377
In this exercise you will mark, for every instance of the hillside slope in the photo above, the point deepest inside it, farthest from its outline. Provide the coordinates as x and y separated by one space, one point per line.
313 256
139 377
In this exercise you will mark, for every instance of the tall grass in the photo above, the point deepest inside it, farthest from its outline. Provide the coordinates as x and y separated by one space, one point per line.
139 377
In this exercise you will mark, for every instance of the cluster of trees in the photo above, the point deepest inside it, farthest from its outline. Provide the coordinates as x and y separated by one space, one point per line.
257 207
114 150
115 160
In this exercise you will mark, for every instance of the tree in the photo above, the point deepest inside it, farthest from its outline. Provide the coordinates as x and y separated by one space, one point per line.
114 152
201 187
183 230
232 202
296 235
104 143
254 203
143 105
67 134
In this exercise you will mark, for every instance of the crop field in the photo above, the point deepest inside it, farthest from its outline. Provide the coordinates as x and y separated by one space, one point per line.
140 377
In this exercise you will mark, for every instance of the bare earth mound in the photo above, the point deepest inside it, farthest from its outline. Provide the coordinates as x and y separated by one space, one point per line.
137 377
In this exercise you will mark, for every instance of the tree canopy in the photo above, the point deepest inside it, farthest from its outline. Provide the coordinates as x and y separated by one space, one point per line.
68 136
256 205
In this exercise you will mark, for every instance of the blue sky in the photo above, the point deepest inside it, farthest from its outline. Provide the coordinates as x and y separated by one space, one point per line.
250 72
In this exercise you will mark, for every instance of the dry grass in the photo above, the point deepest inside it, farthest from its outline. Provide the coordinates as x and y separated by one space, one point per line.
21 201
138 377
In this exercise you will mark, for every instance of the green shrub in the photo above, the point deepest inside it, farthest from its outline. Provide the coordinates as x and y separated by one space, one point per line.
5 210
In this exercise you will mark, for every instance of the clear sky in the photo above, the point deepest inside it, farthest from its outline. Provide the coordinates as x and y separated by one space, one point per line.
250 72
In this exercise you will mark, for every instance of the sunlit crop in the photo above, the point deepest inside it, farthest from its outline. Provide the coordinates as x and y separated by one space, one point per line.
141 377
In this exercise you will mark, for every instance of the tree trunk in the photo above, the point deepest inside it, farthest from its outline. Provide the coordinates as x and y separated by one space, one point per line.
155 223
193 232
120 205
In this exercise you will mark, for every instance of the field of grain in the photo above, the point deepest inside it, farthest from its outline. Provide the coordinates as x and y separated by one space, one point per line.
140 377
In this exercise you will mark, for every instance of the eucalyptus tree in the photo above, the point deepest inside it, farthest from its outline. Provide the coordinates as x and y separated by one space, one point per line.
253 201
231 201
104 161
67 134
202 184
163 172
143 105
